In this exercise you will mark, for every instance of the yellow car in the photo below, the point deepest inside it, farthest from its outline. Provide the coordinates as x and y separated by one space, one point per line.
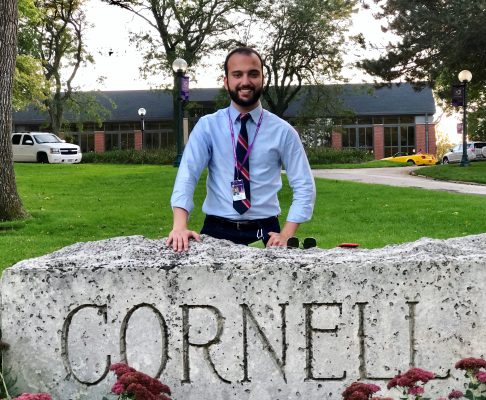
413 159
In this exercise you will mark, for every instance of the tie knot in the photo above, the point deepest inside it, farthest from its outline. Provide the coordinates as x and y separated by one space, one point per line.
244 118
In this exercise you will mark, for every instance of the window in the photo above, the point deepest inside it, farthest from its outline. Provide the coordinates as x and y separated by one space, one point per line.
399 139
85 140
119 140
360 137
16 139
27 138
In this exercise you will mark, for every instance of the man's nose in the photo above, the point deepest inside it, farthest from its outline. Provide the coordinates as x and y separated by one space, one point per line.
245 79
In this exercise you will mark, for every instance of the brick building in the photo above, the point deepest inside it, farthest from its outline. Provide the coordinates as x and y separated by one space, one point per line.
383 120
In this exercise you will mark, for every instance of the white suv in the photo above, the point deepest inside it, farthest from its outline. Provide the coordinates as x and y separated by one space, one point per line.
475 151
44 148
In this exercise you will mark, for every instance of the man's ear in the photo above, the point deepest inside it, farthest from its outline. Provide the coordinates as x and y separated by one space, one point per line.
225 82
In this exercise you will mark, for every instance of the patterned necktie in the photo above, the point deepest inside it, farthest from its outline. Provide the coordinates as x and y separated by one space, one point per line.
242 170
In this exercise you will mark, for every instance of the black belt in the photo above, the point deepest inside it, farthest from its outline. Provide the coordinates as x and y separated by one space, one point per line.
241 225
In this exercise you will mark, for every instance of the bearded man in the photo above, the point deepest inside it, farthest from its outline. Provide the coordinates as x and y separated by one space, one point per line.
244 148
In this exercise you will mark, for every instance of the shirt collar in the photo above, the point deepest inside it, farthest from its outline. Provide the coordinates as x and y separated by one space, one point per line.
255 113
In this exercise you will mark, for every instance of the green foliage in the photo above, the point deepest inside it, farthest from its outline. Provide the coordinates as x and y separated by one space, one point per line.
28 79
438 40
302 44
175 21
443 145
28 82
8 383
87 106
54 35
159 156
327 155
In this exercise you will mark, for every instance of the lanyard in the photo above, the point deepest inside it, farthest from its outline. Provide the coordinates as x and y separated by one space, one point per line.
250 147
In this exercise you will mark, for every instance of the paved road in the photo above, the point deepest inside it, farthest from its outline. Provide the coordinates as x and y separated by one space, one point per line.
398 177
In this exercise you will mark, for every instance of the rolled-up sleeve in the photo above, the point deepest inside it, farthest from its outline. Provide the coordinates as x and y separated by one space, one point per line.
194 159
300 179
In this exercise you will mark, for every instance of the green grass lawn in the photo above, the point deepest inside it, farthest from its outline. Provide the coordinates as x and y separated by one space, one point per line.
475 172
85 202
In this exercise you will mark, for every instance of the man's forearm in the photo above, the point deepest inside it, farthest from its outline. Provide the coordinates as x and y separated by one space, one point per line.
289 229
180 218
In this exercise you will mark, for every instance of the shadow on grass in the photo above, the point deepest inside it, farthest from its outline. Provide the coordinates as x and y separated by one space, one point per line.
11 226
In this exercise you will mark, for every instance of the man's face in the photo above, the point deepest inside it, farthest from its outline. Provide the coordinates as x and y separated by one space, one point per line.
244 81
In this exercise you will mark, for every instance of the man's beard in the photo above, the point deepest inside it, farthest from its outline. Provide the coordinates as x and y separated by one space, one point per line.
257 92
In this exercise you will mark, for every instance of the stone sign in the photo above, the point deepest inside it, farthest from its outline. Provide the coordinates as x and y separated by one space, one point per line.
230 322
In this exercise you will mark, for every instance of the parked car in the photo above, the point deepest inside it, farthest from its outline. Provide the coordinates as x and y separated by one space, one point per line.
44 148
413 159
475 151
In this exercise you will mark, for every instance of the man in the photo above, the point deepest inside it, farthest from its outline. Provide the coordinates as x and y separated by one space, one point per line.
244 148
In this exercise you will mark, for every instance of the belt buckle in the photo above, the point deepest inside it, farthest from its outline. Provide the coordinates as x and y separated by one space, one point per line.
238 225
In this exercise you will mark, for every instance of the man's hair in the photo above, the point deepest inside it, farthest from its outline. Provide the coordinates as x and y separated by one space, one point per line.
241 50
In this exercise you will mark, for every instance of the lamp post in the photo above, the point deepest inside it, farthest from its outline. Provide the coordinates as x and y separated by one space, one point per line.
464 76
179 66
141 112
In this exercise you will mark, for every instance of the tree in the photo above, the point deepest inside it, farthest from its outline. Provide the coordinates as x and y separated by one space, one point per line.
302 45
189 29
29 80
10 203
438 39
57 40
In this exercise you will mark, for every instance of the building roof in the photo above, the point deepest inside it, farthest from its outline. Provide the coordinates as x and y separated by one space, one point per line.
389 100
361 99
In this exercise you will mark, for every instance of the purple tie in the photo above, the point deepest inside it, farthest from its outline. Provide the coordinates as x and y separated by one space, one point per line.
242 170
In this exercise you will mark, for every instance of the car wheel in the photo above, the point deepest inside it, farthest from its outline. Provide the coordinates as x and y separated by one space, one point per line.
445 160
410 162
42 158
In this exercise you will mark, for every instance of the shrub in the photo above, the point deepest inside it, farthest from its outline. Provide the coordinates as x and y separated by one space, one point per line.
327 155
411 384
164 156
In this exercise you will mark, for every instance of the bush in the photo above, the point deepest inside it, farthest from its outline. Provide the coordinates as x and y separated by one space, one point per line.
131 156
327 155
317 155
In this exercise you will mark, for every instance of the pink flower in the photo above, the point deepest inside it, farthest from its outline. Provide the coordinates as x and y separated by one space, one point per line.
416 390
34 396
481 377
410 378
359 391
358 396
137 384
455 394
471 364
118 388
120 369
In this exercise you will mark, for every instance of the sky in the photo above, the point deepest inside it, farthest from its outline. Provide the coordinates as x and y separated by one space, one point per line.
118 61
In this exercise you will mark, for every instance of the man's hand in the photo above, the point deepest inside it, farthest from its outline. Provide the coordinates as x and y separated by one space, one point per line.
179 235
277 239
180 239
280 239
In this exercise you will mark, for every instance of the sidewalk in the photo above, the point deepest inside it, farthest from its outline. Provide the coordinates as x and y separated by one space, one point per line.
398 176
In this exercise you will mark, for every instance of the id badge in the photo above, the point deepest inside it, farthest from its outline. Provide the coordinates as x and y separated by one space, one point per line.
238 190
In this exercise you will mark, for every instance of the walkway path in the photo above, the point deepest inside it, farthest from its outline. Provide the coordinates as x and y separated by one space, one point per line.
396 176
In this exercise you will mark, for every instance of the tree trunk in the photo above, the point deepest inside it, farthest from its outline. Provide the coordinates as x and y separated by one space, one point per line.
10 203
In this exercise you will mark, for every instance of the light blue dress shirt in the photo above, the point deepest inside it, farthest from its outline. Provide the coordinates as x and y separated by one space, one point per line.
276 144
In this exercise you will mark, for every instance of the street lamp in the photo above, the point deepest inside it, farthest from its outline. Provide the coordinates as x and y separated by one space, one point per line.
179 66
464 76
142 111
